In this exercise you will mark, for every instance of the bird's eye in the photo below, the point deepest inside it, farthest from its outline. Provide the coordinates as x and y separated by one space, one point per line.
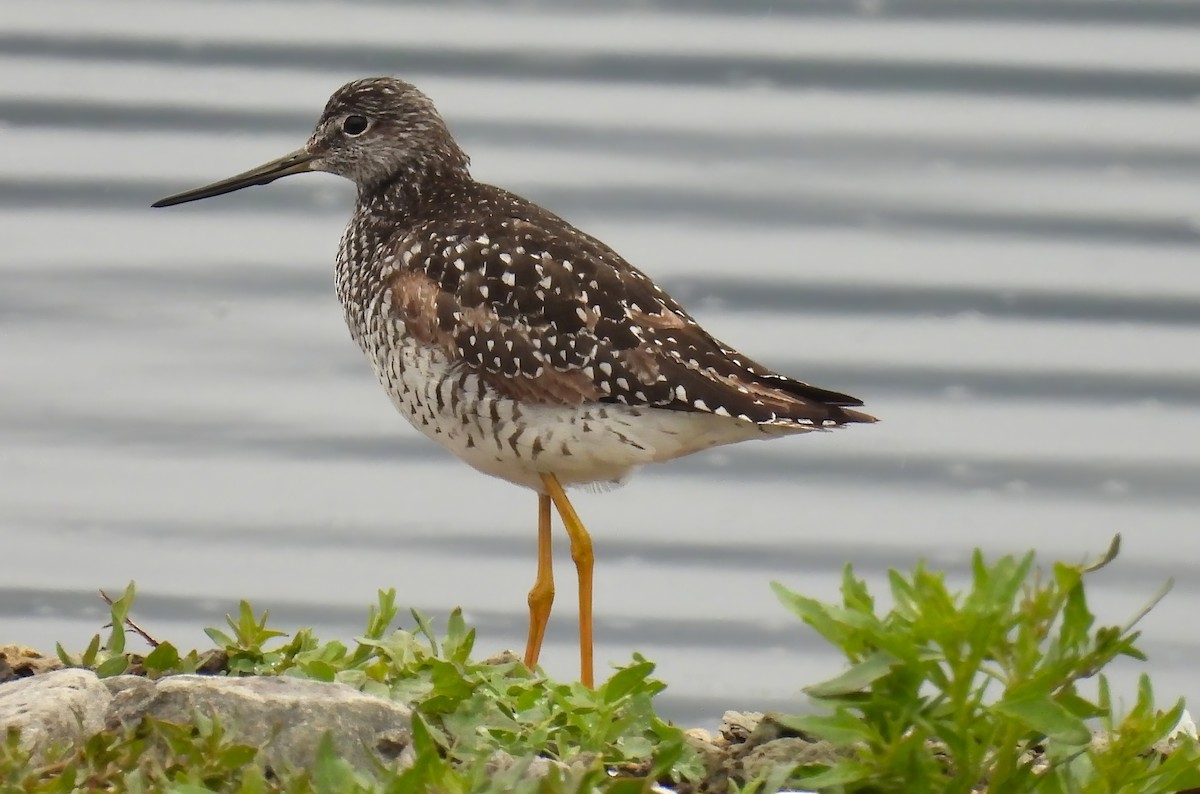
354 125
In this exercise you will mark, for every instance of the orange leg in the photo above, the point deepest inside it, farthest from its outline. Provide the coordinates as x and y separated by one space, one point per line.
581 553
541 597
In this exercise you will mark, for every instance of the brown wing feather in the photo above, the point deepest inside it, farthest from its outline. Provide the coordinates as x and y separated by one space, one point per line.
545 313
473 336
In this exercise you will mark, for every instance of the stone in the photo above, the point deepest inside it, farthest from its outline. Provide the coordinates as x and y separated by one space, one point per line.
714 755
736 726
504 657
285 718
788 752
768 728
17 661
57 709
121 683
396 745
535 768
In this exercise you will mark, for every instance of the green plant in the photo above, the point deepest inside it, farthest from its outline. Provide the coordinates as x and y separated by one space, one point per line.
947 692
465 711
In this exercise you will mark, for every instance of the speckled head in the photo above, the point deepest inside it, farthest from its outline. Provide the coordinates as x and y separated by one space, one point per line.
381 128
374 132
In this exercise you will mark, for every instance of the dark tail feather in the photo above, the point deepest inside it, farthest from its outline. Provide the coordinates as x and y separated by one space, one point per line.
815 393
844 416
837 405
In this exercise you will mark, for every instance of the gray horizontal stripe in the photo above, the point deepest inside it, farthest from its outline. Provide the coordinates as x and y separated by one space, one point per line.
874 75
348 621
34 292
810 550
921 301
1138 481
857 148
1113 12
977 384
1169 13
795 210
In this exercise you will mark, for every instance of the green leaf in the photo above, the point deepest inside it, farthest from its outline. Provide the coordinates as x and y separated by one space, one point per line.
845 772
111 667
1006 580
319 670
119 611
424 628
238 756
857 678
1114 548
1151 604
1040 713
219 637
162 658
423 741
459 639
665 756
820 616
842 728
116 638
330 771
904 596
624 681
380 617
63 656
1079 706
89 655
855 596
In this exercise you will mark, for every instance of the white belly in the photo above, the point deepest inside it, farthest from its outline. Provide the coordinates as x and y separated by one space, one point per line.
588 443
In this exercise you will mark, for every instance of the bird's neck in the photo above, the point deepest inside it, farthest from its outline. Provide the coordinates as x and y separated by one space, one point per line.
385 214
413 194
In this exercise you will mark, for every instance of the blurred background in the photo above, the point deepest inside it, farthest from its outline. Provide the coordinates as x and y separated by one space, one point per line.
983 218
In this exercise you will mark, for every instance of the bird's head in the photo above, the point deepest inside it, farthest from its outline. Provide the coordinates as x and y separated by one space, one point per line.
373 132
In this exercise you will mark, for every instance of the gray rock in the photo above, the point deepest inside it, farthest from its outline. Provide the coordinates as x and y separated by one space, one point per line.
769 728
788 753
57 709
714 754
284 717
736 726
120 683
396 745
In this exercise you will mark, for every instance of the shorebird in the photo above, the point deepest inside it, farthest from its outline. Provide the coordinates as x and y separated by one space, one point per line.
528 348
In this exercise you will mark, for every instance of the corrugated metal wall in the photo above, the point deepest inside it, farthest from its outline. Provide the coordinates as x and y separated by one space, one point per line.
981 217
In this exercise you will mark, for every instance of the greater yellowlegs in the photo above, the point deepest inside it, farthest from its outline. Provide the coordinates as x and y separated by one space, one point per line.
526 347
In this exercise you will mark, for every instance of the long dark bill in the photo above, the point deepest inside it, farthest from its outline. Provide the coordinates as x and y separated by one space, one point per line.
297 162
